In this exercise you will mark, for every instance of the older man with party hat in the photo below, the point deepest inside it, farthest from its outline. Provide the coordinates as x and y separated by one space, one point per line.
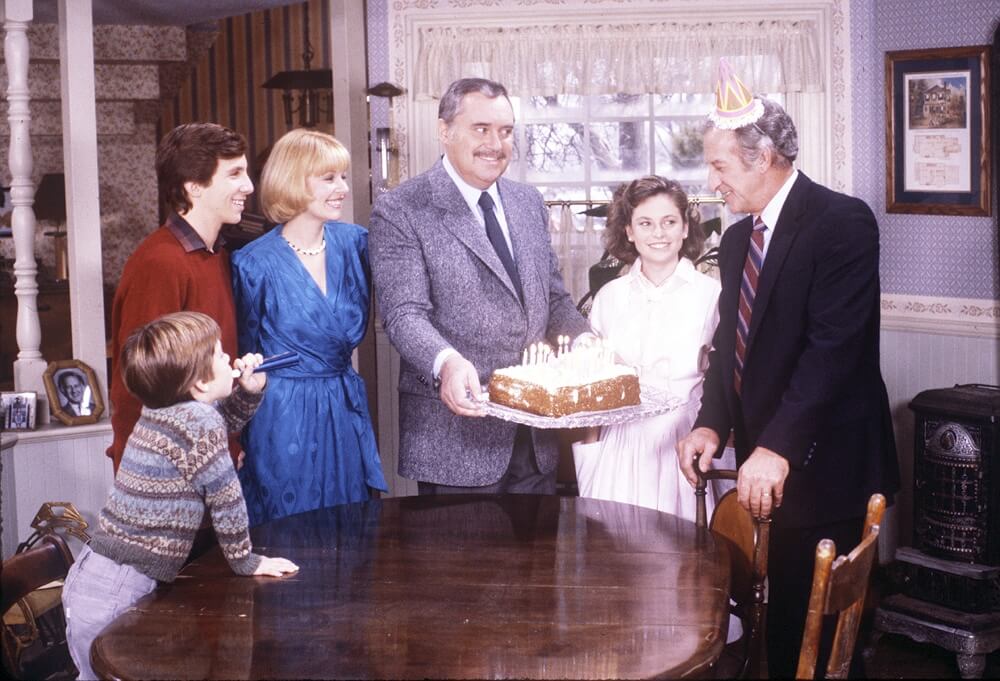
794 373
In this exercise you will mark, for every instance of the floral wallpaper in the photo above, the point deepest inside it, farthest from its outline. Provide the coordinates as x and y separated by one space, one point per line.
922 255
126 82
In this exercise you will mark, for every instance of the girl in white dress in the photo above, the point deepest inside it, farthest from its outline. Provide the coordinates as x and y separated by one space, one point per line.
659 318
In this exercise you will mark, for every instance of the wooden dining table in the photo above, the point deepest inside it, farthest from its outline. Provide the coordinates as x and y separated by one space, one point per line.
511 586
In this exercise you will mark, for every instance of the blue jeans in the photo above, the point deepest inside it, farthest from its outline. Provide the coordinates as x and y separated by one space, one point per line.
96 591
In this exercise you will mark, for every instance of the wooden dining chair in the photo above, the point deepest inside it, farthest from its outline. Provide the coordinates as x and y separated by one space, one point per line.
839 588
747 538
34 629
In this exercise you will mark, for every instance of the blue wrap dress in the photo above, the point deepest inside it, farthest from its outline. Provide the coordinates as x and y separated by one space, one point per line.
311 444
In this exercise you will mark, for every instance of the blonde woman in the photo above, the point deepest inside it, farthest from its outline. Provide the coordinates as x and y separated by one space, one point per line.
305 286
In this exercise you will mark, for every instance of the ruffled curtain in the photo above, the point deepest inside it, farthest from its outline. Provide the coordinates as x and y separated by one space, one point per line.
594 59
578 243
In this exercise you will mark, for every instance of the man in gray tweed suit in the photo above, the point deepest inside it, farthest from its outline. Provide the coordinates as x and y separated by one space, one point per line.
465 279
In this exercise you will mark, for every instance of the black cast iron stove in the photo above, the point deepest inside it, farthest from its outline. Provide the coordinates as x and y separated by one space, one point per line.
948 583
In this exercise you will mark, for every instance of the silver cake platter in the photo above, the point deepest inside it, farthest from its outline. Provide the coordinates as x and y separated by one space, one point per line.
652 402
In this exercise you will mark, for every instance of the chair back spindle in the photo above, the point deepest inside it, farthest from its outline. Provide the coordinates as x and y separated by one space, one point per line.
840 585
747 538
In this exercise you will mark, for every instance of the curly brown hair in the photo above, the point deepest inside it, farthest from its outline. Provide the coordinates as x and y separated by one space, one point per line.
631 194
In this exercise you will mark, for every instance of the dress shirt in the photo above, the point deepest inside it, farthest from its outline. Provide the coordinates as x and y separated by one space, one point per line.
772 211
189 238
662 329
471 196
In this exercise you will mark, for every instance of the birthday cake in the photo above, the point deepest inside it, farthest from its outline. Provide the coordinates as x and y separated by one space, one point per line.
558 384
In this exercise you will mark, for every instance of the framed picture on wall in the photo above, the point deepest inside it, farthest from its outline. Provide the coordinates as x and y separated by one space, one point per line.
937 113
74 396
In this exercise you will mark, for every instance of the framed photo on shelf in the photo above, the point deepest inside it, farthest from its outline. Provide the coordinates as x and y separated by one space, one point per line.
937 113
74 396
18 410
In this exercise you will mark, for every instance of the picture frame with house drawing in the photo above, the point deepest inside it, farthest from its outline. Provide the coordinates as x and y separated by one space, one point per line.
937 112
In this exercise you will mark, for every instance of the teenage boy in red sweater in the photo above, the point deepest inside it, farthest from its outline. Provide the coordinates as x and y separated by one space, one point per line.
201 170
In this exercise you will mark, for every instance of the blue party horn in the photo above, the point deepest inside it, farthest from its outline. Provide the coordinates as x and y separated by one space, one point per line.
285 359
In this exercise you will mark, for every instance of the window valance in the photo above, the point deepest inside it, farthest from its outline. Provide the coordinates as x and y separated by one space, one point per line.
593 59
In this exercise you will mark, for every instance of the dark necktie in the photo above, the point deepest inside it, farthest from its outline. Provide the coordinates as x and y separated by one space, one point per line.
495 235
748 290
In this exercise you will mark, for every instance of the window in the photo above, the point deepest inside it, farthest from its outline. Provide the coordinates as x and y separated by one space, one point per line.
578 148
571 65
579 135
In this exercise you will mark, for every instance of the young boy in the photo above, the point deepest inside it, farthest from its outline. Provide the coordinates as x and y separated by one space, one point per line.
176 466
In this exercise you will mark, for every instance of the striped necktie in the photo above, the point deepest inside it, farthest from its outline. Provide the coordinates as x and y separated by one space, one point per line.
748 289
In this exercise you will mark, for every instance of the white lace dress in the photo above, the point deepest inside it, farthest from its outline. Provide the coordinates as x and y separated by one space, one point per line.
665 332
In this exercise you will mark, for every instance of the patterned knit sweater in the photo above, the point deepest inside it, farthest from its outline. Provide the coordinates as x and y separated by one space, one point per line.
175 467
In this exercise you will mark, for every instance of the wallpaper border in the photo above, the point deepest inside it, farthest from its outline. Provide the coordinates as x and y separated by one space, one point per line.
947 316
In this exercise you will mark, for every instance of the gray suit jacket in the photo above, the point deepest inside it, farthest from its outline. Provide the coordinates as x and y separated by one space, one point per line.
439 283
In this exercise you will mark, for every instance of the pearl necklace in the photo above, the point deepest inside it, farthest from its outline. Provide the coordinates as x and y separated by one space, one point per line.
306 251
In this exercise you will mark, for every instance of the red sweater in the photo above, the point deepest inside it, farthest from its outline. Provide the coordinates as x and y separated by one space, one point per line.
162 277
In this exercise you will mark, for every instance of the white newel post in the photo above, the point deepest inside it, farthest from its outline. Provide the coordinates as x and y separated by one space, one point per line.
29 365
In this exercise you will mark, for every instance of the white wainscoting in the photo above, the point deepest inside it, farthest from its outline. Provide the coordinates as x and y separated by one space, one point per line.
54 463
913 361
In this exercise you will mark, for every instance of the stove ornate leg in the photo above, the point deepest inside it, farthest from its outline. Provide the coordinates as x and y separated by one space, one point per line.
971 666
872 644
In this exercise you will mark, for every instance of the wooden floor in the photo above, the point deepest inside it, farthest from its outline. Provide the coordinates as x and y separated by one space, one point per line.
897 657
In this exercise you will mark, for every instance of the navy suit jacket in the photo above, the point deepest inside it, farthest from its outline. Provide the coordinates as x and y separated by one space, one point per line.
812 388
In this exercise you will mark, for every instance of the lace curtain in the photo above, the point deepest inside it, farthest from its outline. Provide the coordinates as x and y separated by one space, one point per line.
772 56
593 59
578 245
